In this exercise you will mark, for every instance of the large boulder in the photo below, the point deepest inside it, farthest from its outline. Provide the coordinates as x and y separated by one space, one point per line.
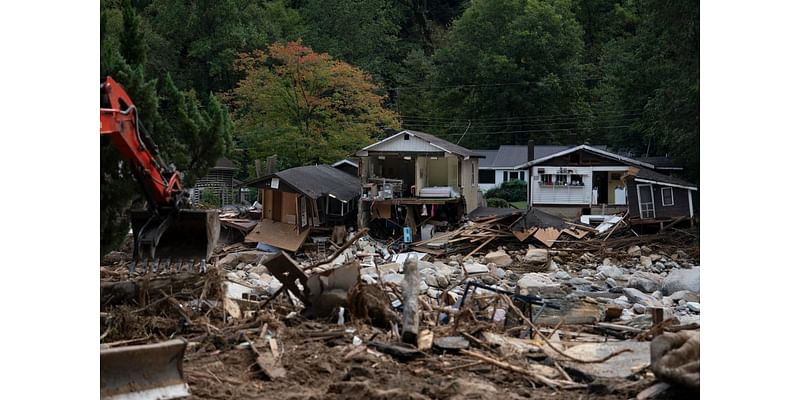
645 281
500 258
682 279
535 255
536 283
610 271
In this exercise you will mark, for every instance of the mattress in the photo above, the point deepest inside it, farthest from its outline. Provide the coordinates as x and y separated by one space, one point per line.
438 191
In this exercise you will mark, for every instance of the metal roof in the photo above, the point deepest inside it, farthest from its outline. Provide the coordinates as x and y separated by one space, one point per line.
661 162
316 181
599 150
650 176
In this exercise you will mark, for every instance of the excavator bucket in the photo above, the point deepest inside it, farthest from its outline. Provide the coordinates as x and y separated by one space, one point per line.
185 237
150 371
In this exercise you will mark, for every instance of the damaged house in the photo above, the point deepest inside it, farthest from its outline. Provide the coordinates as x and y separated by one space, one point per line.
412 176
591 181
297 199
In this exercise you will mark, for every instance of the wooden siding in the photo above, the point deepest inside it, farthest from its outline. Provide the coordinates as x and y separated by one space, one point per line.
679 196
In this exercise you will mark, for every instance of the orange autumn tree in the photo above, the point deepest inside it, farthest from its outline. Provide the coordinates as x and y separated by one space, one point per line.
305 107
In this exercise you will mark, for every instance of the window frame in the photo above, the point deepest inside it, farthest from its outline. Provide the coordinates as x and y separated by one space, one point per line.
671 197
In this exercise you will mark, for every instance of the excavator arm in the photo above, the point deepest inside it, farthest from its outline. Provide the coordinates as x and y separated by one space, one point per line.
119 120
168 230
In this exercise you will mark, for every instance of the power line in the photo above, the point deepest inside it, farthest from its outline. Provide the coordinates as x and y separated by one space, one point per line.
537 131
522 123
494 84
598 113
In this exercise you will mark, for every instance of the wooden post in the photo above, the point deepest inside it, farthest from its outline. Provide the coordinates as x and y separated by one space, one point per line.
258 168
410 303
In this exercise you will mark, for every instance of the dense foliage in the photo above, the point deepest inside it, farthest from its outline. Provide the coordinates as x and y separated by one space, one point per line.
480 73
511 191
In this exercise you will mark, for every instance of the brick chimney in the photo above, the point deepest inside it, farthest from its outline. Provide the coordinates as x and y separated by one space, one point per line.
530 150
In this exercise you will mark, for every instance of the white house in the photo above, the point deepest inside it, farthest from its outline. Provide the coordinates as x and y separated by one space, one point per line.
578 177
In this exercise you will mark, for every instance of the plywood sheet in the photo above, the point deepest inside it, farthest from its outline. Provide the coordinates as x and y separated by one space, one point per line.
277 234
547 236
522 235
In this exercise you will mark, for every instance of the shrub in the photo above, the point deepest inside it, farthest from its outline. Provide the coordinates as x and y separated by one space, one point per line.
496 202
514 190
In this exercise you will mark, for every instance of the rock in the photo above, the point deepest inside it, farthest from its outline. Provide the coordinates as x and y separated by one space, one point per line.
500 258
693 306
475 268
434 293
636 296
442 281
636 358
639 309
658 295
607 261
393 277
535 255
646 261
501 273
621 302
562 275
659 266
635 251
586 272
241 266
610 271
430 279
489 279
579 281
423 287
552 266
682 279
646 250
535 283
684 295
627 315
645 281
611 282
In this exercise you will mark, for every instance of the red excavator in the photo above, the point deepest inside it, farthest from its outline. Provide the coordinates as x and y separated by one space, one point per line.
167 232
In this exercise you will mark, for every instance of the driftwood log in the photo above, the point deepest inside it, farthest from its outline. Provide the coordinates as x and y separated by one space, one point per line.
410 301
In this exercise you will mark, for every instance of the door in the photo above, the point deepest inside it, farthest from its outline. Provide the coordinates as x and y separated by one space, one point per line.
647 207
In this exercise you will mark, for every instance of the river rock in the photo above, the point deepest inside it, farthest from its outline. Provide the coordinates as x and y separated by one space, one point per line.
562 275
635 251
682 279
645 281
646 261
535 283
499 258
535 255
636 296
693 306
610 271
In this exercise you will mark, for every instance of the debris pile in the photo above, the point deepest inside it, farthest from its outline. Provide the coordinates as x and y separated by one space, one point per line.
488 309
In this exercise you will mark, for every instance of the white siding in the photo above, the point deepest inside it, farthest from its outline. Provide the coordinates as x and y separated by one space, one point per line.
561 194
399 144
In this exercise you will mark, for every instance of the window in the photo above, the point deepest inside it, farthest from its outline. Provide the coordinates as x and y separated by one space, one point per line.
512 175
485 176
666 197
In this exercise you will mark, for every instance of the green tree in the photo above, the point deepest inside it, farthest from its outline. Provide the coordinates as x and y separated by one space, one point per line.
199 41
508 64
657 70
190 134
305 107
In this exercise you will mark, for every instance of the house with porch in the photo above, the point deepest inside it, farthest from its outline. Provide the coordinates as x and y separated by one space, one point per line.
581 179
414 176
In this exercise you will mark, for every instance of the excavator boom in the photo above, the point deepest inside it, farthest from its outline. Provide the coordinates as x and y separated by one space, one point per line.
168 230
